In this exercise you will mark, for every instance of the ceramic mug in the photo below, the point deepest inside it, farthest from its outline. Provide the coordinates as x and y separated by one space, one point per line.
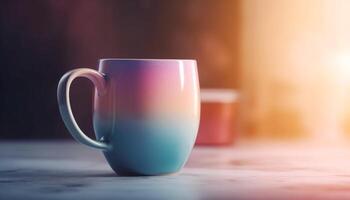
146 113
218 117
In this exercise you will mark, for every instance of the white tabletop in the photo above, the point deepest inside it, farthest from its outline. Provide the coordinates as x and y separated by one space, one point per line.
67 170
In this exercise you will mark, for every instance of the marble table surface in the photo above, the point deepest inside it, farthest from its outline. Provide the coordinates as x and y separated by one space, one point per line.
68 170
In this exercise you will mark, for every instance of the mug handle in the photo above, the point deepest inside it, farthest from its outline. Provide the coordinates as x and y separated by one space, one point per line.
65 108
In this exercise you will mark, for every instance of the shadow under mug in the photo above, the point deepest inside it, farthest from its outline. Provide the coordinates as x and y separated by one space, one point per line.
146 113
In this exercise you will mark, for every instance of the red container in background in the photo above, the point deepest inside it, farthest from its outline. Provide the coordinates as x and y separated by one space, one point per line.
218 117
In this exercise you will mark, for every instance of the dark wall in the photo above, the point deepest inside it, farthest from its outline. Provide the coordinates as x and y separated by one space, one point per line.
41 40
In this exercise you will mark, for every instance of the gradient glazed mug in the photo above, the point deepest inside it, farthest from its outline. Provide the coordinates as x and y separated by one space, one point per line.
146 113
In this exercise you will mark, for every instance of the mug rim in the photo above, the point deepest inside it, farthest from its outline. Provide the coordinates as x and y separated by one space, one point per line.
219 95
145 59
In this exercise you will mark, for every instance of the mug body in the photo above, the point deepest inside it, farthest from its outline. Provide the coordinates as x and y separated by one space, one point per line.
218 117
149 113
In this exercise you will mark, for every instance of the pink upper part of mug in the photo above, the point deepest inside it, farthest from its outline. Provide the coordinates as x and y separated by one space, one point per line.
150 88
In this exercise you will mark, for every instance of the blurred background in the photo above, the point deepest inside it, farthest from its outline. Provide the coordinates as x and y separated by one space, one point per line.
288 60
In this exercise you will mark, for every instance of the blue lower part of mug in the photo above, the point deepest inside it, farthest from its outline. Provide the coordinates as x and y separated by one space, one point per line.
148 147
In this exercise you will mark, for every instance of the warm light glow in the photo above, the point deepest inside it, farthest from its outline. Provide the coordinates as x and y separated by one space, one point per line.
296 68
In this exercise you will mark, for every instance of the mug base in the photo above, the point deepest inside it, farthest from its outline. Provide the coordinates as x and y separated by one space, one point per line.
131 173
